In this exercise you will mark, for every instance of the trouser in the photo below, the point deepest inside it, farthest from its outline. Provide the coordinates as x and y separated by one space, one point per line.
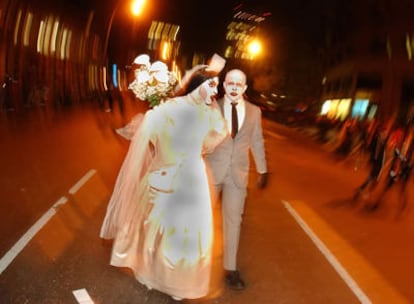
232 200
400 179
373 175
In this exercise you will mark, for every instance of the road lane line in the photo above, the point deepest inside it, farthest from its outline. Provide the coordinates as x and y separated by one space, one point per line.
274 135
82 296
374 284
82 181
24 240
329 256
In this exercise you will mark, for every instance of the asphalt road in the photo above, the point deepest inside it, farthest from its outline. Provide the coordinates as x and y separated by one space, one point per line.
302 242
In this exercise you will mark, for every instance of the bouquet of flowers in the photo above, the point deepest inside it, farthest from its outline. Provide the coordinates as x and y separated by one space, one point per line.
153 82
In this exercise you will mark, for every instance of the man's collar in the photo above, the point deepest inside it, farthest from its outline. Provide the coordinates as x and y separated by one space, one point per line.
228 101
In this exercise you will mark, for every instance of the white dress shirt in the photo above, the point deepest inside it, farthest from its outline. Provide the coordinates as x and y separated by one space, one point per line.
241 113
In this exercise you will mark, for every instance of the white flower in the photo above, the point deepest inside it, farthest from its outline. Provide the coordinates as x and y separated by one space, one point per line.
153 82
142 76
143 59
161 76
158 66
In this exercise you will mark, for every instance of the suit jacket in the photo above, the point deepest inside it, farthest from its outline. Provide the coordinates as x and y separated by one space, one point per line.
233 154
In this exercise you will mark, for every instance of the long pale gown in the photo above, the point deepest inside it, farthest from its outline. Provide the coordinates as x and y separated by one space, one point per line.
160 212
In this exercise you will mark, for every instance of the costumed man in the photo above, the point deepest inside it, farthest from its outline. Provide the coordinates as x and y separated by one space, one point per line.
229 165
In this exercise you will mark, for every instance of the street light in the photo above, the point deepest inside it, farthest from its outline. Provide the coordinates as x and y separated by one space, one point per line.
136 9
254 48
137 6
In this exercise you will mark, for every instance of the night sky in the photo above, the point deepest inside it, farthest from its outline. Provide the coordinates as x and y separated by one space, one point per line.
203 23
293 33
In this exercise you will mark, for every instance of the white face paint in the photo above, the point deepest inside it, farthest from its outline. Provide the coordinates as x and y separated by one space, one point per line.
208 90
235 85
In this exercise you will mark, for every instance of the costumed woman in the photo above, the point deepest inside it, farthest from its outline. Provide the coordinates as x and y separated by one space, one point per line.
160 213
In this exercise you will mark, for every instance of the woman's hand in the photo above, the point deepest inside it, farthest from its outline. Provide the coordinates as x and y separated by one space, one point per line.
191 71
179 88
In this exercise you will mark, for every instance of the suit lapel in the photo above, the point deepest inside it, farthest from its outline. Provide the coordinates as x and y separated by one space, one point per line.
221 106
247 116
247 113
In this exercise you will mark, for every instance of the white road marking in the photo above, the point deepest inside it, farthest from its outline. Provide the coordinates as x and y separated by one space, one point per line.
82 296
329 256
24 240
82 181
274 135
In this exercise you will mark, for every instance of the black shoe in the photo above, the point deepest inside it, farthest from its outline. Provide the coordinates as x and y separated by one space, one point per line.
234 281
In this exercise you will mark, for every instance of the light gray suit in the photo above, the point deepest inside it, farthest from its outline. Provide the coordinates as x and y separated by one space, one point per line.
229 165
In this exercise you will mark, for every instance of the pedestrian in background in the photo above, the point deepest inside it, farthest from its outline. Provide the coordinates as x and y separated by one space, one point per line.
400 170
7 86
377 156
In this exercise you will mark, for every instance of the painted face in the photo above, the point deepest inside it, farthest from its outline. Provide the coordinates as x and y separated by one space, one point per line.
208 90
235 85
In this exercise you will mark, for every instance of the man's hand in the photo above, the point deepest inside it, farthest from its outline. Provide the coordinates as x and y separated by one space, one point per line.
262 181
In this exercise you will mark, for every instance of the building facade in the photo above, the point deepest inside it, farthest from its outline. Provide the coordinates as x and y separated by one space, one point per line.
370 72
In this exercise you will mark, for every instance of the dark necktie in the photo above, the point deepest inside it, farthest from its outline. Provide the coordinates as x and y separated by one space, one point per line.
234 120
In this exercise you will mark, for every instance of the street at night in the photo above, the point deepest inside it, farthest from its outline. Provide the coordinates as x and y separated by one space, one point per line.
301 241
129 130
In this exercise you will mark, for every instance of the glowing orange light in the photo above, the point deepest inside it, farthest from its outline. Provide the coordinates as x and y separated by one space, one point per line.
137 7
255 48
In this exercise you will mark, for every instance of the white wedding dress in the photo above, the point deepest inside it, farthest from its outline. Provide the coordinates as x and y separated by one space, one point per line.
160 213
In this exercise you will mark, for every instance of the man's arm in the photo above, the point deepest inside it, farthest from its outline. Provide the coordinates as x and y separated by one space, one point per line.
258 149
